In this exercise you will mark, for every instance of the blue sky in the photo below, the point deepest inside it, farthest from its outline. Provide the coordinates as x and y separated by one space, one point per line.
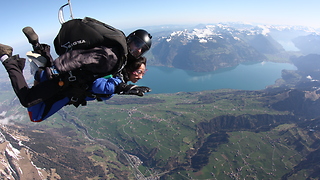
42 15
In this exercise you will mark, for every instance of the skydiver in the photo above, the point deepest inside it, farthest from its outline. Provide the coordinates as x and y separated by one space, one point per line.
50 94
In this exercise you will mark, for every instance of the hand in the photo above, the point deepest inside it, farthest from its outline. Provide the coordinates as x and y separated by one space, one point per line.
124 89
138 90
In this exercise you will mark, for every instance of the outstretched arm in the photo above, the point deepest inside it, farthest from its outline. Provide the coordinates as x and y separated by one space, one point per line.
117 86
105 86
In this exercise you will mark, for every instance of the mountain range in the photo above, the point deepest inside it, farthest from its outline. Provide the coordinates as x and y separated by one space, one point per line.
309 44
211 47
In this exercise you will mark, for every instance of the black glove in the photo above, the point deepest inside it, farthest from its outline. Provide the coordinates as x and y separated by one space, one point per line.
45 52
124 89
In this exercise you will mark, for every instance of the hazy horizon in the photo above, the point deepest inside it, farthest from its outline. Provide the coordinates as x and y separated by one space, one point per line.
43 15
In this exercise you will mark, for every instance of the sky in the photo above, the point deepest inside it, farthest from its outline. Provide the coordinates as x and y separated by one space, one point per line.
42 15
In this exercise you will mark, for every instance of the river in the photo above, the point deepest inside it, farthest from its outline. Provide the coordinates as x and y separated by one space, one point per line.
248 76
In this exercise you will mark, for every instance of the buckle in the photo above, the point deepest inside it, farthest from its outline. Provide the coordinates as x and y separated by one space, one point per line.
74 99
54 72
71 77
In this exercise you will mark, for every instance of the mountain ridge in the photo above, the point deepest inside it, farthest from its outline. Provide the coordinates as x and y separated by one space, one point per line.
211 47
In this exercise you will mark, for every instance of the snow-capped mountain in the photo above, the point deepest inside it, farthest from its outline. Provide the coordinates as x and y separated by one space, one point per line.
276 31
210 47
309 44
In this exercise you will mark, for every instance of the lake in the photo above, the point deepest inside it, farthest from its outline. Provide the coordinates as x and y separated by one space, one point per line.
248 76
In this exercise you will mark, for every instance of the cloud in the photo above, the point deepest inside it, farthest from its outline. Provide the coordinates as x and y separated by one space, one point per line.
9 119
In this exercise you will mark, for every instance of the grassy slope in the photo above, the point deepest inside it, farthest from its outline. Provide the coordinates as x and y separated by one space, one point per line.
168 122
170 127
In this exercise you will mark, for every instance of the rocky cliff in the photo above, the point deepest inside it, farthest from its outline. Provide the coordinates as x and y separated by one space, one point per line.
16 158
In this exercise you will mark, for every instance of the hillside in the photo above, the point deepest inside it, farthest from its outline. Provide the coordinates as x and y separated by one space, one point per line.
308 44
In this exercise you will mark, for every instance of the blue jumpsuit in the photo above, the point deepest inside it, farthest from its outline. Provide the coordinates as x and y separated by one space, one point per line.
99 86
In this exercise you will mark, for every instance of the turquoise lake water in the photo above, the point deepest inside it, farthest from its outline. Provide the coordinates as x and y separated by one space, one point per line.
249 76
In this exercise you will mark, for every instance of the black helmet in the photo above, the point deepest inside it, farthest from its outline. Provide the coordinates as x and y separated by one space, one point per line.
139 42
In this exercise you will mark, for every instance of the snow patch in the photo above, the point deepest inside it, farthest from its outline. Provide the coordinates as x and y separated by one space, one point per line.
265 30
13 152
236 38
310 78
203 41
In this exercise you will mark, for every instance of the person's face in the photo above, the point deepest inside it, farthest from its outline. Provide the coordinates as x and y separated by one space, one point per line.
134 50
136 75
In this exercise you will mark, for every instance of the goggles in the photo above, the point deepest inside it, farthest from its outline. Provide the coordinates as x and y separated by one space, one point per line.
139 72
137 47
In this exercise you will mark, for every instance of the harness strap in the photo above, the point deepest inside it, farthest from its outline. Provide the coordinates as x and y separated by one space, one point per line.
77 85
97 96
